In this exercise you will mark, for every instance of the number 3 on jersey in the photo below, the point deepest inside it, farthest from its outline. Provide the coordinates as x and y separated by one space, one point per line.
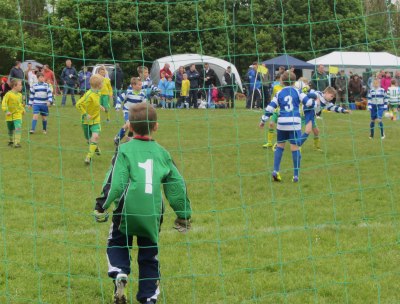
148 169
289 103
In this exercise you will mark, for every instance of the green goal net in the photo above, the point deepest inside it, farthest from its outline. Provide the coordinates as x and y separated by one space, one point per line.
333 237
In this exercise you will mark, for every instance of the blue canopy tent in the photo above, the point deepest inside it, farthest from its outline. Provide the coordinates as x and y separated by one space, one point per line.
286 61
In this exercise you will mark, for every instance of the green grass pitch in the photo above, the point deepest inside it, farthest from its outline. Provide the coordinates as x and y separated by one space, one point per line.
332 238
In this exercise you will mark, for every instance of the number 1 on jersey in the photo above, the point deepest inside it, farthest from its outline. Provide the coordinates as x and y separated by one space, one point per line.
148 168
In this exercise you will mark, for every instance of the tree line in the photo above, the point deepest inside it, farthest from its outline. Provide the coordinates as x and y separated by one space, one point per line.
135 32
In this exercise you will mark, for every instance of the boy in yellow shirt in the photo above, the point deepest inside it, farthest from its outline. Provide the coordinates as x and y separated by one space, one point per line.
89 107
12 105
106 93
183 101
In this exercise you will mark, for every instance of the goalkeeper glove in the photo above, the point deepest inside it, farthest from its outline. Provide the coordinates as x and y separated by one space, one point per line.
100 217
182 225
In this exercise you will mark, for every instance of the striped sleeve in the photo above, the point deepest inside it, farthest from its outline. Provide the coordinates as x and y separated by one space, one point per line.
31 95
332 107
49 94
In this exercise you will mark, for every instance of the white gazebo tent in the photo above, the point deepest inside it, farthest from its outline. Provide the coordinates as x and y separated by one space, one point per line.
185 60
373 60
357 62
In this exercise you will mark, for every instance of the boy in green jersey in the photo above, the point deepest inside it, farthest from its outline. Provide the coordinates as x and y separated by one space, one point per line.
139 169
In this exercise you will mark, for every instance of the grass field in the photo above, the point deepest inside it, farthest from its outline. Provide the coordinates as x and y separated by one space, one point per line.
332 238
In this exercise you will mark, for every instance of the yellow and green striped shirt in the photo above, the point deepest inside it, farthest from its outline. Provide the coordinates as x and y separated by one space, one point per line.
106 89
12 102
89 104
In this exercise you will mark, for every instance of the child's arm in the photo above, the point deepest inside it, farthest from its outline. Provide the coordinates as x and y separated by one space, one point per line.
114 185
4 104
31 95
269 110
81 104
49 95
176 192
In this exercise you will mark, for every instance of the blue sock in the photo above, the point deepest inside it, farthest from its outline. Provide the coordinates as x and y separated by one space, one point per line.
296 155
121 133
277 158
381 127
44 123
34 122
372 127
302 139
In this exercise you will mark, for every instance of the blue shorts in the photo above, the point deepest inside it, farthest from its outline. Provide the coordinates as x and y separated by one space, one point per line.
291 136
41 109
377 112
309 115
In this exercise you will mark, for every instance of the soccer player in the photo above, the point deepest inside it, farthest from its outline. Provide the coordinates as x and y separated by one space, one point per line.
393 94
325 99
377 104
274 118
289 122
89 107
169 93
147 83
106 92
40 98
184 98
133 183
12 105
134 94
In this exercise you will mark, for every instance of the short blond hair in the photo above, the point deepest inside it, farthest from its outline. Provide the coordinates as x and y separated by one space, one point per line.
96 81
14 82
141 69
330 90
304 79
101 68
376 83
135 81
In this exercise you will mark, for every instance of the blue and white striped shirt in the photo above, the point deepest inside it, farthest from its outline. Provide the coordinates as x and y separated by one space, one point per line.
40 93
129 98
377 96
288 100
324 104
149 87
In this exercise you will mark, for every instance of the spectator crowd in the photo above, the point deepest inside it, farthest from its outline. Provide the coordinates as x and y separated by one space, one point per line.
198 86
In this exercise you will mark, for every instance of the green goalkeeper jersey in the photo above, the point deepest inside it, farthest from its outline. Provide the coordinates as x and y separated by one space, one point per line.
139 170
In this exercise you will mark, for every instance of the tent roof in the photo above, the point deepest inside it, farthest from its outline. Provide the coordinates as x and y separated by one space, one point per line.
35 64
287 61
358 59
175 61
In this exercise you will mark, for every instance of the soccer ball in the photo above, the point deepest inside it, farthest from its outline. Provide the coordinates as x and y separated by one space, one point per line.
301 86
388 115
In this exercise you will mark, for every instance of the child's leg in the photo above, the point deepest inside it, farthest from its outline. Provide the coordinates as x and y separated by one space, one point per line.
307 130
271 131
10 128
381 127
372 128
380 114
93 143
372 123
118 247
296 156
34 121
44 113
18 131
44 123
316 138
149 274
281 139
